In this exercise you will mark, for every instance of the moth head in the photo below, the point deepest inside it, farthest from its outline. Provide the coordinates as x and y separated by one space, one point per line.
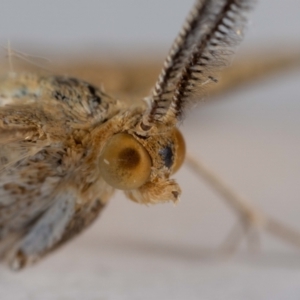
141 166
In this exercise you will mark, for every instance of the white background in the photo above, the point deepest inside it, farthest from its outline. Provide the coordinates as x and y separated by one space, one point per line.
251 138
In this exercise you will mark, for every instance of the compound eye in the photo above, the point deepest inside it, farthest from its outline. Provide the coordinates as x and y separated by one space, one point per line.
180 151
124 162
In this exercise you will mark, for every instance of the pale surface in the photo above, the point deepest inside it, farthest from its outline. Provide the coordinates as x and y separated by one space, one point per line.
252 139
163 252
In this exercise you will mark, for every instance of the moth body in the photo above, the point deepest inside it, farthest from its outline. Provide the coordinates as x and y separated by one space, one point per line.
65 145
52 134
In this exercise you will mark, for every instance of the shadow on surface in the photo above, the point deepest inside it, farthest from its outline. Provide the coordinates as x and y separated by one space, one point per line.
276 259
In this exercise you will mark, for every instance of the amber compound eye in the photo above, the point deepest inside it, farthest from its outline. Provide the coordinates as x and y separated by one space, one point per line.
180 151
124 162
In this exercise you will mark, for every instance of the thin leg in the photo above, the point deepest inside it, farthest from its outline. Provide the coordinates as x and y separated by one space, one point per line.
230 244
252 218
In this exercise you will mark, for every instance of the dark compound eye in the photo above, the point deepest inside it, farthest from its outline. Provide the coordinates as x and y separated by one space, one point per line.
167 156
173 154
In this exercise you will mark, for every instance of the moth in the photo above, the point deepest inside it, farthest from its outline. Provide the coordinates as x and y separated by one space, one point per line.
66 145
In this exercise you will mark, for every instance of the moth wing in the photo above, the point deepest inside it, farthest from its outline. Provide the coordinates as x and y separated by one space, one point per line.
29 171
60 222
40 208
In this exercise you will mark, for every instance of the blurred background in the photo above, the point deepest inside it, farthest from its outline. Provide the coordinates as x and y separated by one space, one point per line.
250 137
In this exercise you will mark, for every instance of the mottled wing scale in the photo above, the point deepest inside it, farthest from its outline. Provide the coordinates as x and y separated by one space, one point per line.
43 122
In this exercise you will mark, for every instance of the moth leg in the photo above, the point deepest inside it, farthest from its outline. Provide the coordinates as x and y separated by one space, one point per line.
239 230
231 242
46 231
251 218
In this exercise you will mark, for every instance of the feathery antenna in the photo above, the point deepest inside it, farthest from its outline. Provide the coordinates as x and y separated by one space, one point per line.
203 46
